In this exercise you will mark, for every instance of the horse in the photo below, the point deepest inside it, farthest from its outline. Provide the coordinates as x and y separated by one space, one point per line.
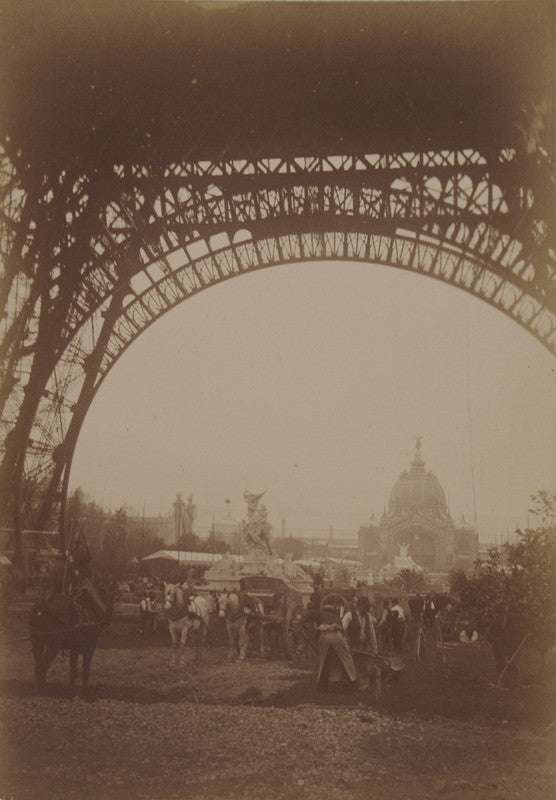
184 614
59 622
243 614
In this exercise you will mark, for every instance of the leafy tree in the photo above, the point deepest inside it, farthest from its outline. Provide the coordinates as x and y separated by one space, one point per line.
191 543
87 517
187 542
457 581
112 556
76 510
511 594
113 539
544 507
141 542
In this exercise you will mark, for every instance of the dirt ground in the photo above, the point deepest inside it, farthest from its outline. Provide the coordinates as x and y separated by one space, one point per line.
259 730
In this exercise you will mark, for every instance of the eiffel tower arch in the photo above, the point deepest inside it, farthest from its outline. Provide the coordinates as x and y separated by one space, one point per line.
115 211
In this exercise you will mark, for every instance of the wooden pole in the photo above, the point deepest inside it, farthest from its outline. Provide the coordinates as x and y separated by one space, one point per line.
510 661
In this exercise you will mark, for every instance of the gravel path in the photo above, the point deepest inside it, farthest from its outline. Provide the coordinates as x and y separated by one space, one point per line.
107 750
259 730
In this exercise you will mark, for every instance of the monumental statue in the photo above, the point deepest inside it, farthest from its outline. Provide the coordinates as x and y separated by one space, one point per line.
184 516
179 517
257 557
404 560
256 529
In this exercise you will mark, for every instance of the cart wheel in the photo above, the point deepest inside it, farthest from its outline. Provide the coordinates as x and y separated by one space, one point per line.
292 634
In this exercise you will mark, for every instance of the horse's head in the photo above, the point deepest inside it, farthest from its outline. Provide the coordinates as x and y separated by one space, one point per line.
228 604
222 603
171 596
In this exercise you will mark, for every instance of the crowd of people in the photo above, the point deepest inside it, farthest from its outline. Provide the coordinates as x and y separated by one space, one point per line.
356 636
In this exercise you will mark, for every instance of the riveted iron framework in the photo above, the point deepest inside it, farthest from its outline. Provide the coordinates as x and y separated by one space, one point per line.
163 234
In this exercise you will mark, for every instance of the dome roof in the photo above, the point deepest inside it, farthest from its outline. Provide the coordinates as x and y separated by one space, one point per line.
417 491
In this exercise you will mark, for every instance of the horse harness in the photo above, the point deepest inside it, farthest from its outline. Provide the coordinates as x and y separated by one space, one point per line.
242 605
232 616
192 609
195 611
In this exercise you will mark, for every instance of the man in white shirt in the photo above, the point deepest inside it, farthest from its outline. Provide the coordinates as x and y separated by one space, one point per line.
397 607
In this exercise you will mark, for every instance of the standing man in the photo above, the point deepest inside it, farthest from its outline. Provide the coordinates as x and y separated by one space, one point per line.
384 627
429 611
397 607
361 637
399 631
335 659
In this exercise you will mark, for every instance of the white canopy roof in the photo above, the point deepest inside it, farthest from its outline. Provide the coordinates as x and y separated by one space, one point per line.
188 558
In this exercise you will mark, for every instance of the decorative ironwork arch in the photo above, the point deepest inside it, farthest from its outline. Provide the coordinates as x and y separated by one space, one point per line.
91 268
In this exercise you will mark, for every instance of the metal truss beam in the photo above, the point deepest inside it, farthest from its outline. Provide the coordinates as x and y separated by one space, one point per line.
88 268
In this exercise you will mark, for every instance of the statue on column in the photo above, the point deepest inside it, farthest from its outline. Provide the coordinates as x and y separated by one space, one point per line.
257 529
179 517
190 515
184 516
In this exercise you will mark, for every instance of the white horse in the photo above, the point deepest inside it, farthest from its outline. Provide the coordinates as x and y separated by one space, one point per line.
243 614
186 613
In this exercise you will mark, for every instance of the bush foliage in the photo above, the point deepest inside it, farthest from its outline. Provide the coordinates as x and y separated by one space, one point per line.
512 591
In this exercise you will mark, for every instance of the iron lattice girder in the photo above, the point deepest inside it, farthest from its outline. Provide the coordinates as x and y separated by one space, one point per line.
158 214
184 206
164 234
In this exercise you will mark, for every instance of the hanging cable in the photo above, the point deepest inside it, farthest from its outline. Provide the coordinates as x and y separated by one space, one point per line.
469 431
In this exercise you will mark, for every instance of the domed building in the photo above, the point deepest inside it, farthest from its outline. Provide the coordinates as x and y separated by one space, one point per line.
418 520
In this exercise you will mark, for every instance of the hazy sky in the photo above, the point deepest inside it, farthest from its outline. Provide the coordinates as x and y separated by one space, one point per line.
311 382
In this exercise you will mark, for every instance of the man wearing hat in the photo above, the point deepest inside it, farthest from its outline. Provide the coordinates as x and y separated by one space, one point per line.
361 637
335 659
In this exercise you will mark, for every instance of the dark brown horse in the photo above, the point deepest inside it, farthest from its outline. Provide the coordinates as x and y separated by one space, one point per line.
61 623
